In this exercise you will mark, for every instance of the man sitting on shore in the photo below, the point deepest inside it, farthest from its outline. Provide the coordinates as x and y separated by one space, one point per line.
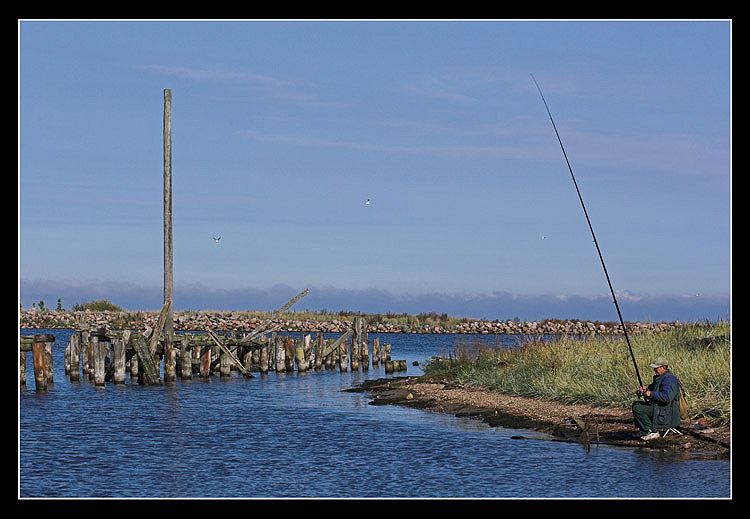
660 409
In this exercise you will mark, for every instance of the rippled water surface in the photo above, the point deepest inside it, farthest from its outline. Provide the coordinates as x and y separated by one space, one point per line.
301 435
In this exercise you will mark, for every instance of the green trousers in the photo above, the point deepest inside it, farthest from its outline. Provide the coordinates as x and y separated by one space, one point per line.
643 415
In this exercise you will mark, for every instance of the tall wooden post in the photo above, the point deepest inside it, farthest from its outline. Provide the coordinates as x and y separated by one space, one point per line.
169 356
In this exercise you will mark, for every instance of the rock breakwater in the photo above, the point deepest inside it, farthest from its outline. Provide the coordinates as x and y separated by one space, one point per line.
245 322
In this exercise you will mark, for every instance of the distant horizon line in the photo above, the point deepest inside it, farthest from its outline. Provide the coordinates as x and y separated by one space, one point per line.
489 305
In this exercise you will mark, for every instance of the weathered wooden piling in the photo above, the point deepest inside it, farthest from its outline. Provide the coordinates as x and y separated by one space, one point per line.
118 354
93 345
308 347
168 323
22 369
299 356
318 346
225 364
356 345
66 358
99 356
205 361
385 353
84 349
49 365
392 366
329 359
75 357
365 354
280 353
263 359
375 352
39 349
133 366
288 353
186 359
148 368
344 356
109 356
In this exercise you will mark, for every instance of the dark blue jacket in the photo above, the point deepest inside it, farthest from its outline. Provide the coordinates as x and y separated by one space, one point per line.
665 397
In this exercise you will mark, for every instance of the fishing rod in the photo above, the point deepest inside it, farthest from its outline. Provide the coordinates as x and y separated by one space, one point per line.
625 331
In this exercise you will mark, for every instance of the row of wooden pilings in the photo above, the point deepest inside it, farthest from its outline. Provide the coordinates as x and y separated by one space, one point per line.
109 356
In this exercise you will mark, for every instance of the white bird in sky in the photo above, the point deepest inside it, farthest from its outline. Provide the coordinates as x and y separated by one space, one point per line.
367 202
217 239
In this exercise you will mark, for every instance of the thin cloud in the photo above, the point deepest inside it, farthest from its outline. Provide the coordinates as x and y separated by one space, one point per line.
202 74
493 305
436 150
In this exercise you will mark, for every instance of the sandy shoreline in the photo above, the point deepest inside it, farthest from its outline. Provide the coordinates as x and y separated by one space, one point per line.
577 423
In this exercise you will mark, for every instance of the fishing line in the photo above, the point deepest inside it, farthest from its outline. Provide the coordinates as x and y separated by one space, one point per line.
601 259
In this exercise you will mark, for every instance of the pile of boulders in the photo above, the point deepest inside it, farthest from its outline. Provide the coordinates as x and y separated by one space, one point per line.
239 322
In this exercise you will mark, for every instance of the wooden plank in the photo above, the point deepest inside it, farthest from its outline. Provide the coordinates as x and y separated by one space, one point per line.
156 334
148 363
335 345
231 355
261 328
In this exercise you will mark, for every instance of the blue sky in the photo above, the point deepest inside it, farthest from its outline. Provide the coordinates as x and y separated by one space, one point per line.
282 129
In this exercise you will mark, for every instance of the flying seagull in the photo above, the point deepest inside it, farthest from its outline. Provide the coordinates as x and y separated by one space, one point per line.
217 239
367 202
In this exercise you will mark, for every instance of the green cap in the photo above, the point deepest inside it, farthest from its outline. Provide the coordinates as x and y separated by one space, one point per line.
659 361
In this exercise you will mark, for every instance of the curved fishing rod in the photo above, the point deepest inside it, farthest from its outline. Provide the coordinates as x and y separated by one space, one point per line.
625 331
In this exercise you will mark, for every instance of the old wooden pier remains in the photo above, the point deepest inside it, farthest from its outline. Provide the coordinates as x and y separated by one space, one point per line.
148 357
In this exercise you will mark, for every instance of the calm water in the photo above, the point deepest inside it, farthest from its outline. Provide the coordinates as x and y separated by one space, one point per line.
292 435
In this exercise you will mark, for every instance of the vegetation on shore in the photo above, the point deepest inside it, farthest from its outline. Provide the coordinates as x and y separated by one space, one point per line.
598 369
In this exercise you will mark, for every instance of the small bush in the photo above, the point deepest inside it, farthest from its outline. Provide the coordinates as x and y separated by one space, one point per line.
100 305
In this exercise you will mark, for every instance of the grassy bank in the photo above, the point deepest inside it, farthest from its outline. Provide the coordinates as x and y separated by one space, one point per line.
598 369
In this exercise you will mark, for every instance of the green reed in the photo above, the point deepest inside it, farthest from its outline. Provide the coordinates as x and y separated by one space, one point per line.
598 369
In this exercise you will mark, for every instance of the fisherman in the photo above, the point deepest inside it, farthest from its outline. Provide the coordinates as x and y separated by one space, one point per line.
660 409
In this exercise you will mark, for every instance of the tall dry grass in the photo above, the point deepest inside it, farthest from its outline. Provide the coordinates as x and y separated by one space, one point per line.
599 370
